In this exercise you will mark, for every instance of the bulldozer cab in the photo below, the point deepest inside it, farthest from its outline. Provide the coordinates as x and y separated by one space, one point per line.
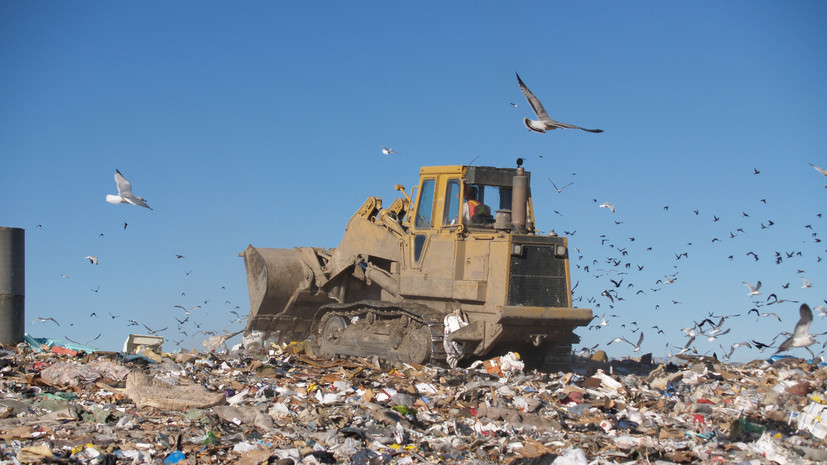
461 198
447 244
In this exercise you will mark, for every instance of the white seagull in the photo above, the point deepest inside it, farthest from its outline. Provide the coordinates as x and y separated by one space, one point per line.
766 314
93 259
711 337
43 320
687 347
153 331
668 280
560 189
608 205
801 334
806 283
716 329
545 123
187 312
753 290
388 151
636 346
125 194
820 170
732 348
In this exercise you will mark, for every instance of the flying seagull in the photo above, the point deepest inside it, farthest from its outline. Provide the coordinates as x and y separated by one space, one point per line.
93 259
770 314
125 194
388 151
608 205
687 347
820 170
545 123
636 346
43 320
801 334
753 290
87 342
732 348
560 189
185 310
153 331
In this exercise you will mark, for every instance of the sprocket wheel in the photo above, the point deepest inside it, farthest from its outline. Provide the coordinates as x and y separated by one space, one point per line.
418 345
329 335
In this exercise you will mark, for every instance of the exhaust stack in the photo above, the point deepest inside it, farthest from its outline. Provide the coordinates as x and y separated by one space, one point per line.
519 200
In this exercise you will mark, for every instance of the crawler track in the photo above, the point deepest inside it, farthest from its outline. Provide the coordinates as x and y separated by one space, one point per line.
396 332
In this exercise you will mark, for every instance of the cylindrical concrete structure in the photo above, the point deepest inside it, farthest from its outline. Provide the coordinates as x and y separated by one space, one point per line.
12 285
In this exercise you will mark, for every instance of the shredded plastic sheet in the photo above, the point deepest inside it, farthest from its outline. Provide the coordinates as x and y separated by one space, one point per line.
42 344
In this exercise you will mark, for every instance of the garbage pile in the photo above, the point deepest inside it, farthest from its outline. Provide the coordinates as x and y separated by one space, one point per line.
280 405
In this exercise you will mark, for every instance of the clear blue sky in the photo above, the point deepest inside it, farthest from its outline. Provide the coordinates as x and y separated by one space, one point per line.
262 123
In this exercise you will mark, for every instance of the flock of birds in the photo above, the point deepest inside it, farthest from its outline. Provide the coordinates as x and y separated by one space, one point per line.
185 324
618 266
800 336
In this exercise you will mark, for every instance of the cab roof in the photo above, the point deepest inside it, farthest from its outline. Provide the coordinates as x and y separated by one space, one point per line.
476 174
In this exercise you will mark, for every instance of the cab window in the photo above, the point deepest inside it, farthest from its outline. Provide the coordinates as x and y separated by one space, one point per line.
452 191
425 207
482 202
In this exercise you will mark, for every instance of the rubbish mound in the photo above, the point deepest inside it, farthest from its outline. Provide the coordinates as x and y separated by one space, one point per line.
281 405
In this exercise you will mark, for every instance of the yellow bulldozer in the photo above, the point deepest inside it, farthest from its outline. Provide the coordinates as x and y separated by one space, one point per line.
456 270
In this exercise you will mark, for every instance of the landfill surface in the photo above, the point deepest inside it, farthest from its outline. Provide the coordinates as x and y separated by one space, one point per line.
281 405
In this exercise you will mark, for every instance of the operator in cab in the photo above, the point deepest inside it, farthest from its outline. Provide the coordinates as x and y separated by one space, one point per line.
473 210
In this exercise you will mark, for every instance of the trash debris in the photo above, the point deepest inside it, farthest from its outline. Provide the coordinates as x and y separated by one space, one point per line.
502 366
65 373
571 456
278 404
136 343
814 419
253 342
454 350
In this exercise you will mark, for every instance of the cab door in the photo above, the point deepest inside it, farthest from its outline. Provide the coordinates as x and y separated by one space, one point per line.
431 247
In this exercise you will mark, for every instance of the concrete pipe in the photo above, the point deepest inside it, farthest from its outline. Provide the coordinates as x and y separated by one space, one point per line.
12 285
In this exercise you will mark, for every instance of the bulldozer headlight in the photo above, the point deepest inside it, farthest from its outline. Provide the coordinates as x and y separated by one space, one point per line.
561 251
517 250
